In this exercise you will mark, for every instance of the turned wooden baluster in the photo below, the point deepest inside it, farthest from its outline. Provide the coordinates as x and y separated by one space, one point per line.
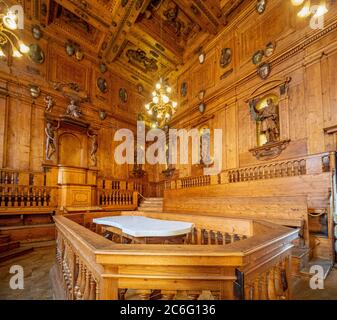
144 294
278 282
199 236
86 293
168 294
82 283
78 280
271 284
256 286
16 196
193 295
216 295
264 287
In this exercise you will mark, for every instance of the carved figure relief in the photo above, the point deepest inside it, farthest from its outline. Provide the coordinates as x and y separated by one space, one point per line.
139 57
50 139
49 103
73 110
94 148
171 16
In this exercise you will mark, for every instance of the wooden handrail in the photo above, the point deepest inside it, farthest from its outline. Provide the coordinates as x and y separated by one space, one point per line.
92 267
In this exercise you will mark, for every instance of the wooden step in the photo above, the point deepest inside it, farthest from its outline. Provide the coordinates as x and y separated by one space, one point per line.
14 253
9 246
4 238
325 264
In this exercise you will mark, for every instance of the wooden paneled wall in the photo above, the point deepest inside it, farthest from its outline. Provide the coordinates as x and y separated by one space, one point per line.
23 119
307 56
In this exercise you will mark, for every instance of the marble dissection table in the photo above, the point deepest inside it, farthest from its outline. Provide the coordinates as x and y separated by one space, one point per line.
138 229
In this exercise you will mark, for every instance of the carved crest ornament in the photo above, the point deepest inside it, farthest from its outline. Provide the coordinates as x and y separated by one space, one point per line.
139 57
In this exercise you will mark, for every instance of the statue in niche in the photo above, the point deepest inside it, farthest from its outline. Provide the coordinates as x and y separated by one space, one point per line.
73 110
268 116
50 142
205 144
94 148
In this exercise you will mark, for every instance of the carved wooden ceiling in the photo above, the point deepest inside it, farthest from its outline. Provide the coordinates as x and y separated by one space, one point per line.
140 40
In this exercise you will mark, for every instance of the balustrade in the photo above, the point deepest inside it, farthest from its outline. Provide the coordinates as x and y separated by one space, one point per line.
117 198
191 182
92 267
26 196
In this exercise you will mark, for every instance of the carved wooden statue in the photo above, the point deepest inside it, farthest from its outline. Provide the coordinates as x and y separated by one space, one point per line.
94 148
49 103
73 110
269 118
50 142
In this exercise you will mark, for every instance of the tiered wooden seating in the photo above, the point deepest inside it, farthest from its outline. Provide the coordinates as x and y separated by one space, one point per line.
292 193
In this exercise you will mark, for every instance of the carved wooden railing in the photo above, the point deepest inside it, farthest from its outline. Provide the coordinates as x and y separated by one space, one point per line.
314 164
120 199
270 171
14 177
92 267
12 196
190 182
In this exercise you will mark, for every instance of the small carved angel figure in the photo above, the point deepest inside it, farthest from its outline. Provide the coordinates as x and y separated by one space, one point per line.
94 148
50 141
49 103
269 119
73 110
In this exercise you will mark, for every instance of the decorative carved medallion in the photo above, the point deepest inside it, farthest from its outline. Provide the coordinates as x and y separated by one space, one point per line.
139 57
270 48
103 68
37 32
102 85
261 6
202 58
102 114
34 91
36 54
123 95
270 151
257 57
202 107
226 57
70 48
264 70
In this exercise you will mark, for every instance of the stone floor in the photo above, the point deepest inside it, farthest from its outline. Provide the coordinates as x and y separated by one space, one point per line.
37 286
36 266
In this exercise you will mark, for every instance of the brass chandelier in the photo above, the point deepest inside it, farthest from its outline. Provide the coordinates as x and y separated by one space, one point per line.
307 8
161 108
9 23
